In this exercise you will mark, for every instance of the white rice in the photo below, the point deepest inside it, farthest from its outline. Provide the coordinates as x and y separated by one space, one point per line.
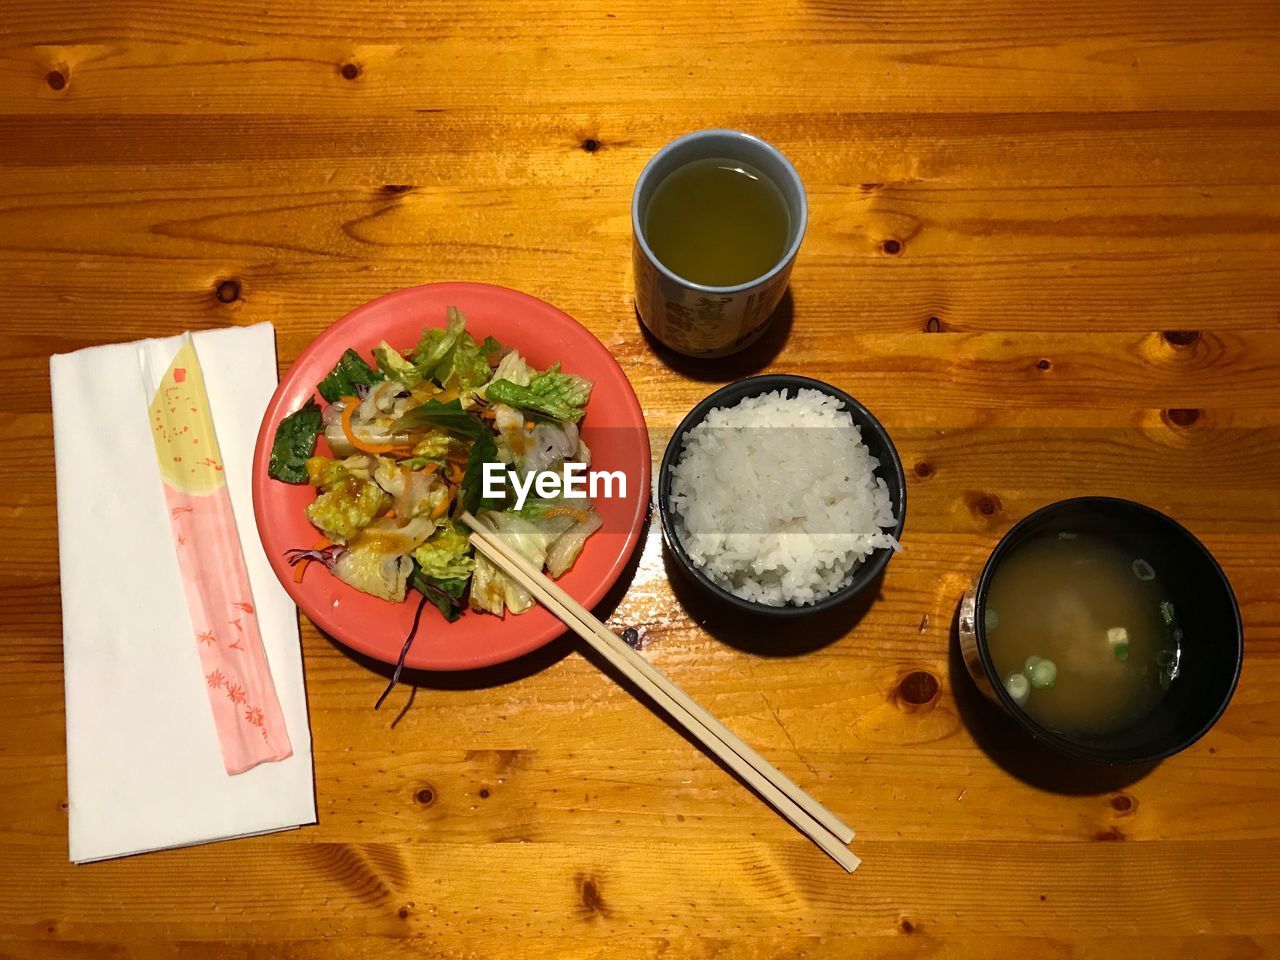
777 500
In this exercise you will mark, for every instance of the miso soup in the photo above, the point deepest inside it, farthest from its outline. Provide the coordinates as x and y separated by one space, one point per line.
1082 632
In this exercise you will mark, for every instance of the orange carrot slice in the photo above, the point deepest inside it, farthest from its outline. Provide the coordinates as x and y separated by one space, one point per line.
374 448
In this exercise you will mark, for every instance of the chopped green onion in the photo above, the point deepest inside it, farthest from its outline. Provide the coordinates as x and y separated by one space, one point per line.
1044 674
1067 536
1018 687
1030 665
1118 637
990 619
1166 611
1143 570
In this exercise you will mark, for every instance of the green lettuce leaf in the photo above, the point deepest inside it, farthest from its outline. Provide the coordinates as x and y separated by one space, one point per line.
294 442
446 593
463 366
446 554
450 416
350 370
447 416
562 396
394 366
347 507
434 446
471 490
451 357
438 341
323 472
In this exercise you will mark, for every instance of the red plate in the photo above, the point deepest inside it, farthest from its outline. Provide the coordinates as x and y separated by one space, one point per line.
613 428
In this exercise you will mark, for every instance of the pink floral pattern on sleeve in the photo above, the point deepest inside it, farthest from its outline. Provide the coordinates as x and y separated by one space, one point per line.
246 712
237 678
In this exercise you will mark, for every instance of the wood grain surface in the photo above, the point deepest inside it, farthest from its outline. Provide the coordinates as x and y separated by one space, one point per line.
1044 248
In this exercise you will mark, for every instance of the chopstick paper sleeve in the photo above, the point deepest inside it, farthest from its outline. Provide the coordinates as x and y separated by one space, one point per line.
236 676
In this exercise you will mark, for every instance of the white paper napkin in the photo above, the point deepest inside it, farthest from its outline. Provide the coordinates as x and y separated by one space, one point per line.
144 771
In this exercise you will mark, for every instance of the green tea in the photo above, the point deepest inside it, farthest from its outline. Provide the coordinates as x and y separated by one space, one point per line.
1082 633
717 222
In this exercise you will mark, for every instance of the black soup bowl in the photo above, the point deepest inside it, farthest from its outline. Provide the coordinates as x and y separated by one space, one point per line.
1212 642
874 436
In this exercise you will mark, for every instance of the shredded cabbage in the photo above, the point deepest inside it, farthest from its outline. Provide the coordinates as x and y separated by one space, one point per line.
377 561
513 369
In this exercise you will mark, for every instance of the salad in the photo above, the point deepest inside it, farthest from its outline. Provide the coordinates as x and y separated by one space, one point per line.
409 435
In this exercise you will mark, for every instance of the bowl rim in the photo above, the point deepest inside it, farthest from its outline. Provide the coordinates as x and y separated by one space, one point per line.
1059 741
756 385
720 133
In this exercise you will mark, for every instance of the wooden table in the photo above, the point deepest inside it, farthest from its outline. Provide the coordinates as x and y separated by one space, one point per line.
1043 248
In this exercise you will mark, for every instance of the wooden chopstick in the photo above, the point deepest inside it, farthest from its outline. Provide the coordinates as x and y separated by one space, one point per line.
785 796
744 750
700 713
